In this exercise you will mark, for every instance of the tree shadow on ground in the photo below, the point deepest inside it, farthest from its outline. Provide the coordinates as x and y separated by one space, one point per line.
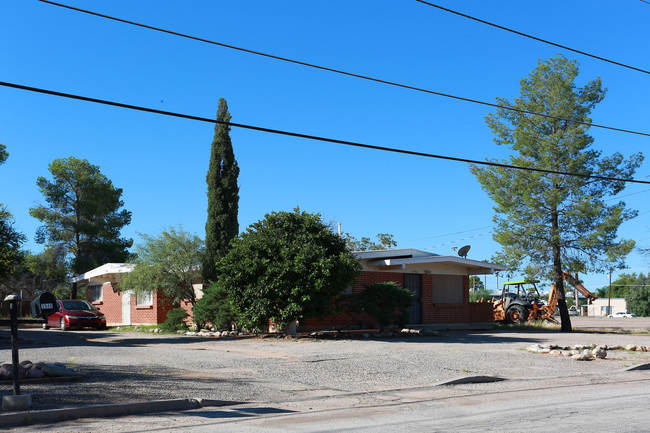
108 384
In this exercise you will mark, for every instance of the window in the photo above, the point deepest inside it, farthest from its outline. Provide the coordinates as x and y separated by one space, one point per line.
448 289
144 298
95 293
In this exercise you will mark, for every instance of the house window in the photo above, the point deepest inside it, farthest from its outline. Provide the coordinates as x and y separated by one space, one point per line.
144 298
95 293
448 289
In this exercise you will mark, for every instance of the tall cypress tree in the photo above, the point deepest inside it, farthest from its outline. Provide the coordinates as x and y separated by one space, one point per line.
223 196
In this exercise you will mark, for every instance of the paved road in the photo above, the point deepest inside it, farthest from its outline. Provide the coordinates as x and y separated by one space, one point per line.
350 385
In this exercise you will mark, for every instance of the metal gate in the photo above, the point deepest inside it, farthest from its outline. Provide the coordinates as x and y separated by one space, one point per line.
413 283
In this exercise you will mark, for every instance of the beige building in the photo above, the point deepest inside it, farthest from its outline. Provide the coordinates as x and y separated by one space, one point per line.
599 307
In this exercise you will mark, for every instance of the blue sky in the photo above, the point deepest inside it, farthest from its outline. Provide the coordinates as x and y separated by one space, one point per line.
161 162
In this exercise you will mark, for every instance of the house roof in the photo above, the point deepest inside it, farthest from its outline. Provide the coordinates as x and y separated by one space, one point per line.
103 273
418 261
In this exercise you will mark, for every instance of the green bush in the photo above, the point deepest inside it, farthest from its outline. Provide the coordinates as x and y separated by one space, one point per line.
387 303
214 307
175 320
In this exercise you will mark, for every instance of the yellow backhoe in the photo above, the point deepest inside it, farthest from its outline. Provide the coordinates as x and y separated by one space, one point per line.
521 302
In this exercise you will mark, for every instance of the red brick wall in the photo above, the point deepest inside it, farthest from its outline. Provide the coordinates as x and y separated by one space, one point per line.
455 314
110 305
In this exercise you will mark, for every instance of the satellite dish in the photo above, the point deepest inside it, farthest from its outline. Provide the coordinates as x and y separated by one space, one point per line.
463 251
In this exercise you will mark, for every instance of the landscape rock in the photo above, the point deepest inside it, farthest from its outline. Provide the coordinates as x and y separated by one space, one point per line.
57 370
580 357
631 347
35 373
599 353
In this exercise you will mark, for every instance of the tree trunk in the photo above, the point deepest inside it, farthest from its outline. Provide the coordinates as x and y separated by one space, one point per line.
565 320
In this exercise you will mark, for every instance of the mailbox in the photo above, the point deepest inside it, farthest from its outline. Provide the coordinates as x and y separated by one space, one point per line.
44 305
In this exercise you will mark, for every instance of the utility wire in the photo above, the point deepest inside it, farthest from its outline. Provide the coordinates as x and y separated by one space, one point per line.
349 74
446 234
310 137
532 37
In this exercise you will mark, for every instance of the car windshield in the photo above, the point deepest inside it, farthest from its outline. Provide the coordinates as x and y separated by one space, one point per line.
77 305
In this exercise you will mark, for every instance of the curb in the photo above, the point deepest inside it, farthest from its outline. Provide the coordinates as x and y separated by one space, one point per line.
645 366
471 379
58 415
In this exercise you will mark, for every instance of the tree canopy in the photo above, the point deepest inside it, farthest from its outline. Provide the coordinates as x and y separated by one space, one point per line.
3 153
288 266
385 241
223 196
622 285
547 223
11 240
83 215
168 263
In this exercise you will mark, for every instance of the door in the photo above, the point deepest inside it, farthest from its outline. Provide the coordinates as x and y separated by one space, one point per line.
126 307
413 283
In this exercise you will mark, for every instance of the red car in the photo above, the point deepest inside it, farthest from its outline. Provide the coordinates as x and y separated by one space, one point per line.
75 314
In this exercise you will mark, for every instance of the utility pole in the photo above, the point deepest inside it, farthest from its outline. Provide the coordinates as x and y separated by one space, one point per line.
609 294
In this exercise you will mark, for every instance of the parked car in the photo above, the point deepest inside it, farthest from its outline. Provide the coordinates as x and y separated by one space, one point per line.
75 314
573 311
622 314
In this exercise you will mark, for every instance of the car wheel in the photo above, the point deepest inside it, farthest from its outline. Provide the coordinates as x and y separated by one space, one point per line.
516 314
45 326
62 326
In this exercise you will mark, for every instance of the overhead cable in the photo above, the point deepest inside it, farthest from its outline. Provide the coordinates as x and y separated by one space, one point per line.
349 74
531 37
310 137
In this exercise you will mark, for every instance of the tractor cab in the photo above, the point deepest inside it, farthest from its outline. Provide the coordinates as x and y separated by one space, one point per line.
520 301
521 291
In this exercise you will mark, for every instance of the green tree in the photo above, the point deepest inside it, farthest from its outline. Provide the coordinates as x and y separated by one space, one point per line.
3 153
475 284
622 285
385 241
223 196
546 222
286 267
168 263
83 216
11 240
637 298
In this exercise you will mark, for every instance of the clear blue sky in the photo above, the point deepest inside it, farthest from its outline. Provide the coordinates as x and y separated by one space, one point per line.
161 162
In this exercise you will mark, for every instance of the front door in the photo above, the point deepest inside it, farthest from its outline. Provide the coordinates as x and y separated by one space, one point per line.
413 283
126 307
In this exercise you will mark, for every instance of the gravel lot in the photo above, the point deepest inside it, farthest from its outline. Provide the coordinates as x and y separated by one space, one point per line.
127 367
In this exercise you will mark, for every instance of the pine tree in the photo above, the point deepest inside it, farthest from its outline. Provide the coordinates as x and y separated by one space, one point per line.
223 196
549 223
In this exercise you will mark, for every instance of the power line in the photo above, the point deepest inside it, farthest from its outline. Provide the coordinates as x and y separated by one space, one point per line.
338 71
310 137
532 37
446 234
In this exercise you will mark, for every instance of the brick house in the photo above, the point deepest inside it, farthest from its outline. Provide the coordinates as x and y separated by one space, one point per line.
126 308
440 285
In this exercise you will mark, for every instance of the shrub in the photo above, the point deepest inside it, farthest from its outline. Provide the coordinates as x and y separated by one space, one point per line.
175 320
214 307
387 303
